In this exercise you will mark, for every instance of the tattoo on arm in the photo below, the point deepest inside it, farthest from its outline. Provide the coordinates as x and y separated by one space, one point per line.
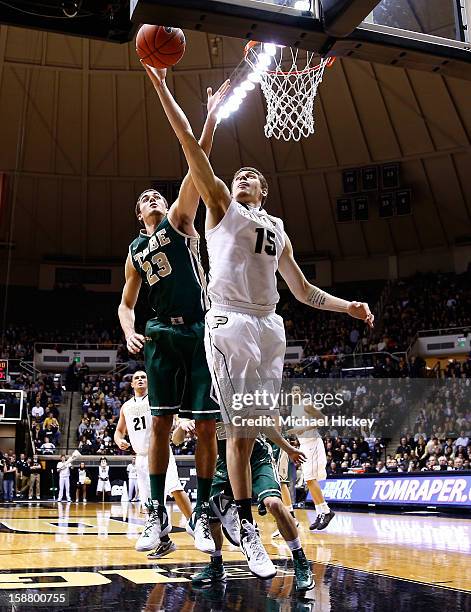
316 298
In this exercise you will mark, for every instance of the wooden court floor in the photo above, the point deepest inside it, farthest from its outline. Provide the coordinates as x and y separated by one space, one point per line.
363 561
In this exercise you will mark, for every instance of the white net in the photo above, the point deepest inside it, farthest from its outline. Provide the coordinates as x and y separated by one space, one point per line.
289 79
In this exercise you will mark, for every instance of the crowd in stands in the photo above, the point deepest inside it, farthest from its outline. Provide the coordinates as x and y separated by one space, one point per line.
422 302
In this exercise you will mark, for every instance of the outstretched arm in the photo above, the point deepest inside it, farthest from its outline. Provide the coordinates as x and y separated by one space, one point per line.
183 211
313 296
214 192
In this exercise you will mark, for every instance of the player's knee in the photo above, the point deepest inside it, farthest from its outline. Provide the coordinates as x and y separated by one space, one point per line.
205 429
161 425
274 505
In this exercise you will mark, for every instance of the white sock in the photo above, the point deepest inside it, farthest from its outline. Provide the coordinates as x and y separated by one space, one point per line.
217 553
322 508
294 544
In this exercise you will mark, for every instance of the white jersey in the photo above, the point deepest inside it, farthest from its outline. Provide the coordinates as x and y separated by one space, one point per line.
132 471
138 420
64 472
301 416
244 249
103 472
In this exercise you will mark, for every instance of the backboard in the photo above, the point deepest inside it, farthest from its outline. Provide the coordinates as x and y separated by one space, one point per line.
11 405
430 35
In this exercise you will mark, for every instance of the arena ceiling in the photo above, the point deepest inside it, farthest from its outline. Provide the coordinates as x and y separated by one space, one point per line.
82 134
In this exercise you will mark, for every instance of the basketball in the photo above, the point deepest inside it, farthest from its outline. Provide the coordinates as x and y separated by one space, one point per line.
160 46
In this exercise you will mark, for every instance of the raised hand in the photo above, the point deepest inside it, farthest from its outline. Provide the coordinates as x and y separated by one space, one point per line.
156 75
361 310
216 98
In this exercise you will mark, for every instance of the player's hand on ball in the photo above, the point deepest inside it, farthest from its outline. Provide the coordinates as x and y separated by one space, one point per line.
361 310
215 99
296 456
156 75
135 342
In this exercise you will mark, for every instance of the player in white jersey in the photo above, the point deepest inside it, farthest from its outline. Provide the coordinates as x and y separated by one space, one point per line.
135 418
245 338
312 445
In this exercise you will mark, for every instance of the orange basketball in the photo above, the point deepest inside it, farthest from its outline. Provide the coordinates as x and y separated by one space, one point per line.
159 46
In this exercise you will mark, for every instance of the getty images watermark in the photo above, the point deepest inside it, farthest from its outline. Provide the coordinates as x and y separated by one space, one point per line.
262 408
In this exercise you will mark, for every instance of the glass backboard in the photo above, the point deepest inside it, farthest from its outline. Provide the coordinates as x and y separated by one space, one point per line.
431 35
443 18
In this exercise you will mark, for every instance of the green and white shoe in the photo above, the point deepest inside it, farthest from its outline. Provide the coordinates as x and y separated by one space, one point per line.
157 525
303 575
210 574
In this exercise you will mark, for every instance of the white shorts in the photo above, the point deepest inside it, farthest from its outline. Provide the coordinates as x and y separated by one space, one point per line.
103 484
172 481
314 466
245 353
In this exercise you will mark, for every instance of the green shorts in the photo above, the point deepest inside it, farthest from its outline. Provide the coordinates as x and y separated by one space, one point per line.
178 377
265 480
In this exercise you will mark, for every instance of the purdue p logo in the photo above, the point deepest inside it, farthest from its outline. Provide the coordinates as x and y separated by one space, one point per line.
218 320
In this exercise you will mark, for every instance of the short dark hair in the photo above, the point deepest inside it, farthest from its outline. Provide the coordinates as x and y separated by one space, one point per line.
263 180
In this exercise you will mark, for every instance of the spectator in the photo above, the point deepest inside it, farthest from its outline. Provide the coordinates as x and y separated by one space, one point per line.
35 478
22 474
47 448
37 412
51 428
85 446
9 479
463 440
442 464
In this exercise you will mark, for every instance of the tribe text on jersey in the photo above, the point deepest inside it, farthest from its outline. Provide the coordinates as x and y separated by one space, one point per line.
244 249
168 262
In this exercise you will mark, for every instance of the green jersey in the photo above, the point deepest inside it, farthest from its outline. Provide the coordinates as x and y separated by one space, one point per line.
168 262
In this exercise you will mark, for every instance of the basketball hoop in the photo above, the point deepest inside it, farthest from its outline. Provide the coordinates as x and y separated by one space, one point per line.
289 79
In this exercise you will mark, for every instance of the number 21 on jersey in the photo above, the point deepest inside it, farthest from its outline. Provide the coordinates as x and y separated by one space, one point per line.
139 423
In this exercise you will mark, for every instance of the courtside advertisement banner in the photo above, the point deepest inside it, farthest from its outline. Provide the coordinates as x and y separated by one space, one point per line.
449 489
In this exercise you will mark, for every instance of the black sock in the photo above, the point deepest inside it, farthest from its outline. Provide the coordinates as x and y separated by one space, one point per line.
298 553
244 509
164 538
216 560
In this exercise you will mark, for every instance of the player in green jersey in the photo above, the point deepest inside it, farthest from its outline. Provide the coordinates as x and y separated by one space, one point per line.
165 258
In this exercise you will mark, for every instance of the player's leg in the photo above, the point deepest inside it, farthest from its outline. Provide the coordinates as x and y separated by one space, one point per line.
204 410
232 372
165 391
214 572
143 481
283 471
313 471
61 489
222 505
67 489
267 490
173 486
